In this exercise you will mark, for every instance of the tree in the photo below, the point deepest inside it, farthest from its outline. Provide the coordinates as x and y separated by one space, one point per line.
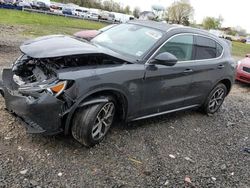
107 5
136 12
212 23
180 12
127 10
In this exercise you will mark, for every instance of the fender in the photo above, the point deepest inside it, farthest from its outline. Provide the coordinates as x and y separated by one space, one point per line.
81 103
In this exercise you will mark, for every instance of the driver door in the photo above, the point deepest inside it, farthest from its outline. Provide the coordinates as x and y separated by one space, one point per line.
166 87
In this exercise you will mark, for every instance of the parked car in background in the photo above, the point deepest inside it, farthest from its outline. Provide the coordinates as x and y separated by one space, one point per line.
105 15
40 5
56 7
90 34
67 11
248 40
92 15
11 2
80 12
122 18
243 70
130 72
24 4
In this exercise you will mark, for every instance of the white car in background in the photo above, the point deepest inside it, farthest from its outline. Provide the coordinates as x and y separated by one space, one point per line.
81 12
24 4
248 40
92 15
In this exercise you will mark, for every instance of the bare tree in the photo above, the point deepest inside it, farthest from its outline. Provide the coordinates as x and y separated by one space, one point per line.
180 12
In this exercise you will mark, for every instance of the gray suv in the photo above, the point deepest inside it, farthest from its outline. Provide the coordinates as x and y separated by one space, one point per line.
130 72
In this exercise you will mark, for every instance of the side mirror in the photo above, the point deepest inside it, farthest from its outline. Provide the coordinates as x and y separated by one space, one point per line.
165 58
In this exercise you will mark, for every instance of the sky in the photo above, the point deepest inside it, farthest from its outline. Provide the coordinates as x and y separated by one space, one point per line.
234 12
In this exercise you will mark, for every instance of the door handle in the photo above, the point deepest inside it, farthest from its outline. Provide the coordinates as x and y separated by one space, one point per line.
188 71
221 66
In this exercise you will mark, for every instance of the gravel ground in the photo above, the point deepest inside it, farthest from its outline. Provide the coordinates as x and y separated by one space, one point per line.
184 149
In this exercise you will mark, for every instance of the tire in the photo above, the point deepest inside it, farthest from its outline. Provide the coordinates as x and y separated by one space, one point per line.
91 124
215 99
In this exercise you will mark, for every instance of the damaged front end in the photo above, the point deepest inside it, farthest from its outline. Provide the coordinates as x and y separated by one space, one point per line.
34 88
33 92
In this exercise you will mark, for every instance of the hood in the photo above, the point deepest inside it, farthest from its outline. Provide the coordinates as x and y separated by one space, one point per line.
56 46
61 45
245 62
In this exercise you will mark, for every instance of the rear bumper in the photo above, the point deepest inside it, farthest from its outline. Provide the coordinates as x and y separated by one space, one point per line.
40 114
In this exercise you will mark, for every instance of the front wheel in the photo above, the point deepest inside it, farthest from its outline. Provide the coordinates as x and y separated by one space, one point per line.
91 124
215 99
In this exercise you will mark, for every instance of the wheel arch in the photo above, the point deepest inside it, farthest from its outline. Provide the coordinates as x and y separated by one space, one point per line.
227 82
99 96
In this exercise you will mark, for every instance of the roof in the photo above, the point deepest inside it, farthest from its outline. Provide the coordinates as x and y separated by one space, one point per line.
165 26
153 24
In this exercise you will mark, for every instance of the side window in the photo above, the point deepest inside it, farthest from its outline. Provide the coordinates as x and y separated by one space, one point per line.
181 46
206 48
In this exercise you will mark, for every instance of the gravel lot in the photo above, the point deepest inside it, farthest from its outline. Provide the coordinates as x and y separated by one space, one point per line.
184 149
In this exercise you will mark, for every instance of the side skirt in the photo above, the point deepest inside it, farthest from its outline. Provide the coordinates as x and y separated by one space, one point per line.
165 112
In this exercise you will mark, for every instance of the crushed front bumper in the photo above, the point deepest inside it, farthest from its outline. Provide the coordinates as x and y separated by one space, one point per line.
41 114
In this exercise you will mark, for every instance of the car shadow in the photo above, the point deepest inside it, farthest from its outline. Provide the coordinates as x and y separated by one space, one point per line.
243 85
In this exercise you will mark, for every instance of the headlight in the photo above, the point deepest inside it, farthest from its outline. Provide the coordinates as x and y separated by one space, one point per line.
238 64
55 88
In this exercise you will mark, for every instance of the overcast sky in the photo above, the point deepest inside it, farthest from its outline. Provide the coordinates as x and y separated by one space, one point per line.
234 12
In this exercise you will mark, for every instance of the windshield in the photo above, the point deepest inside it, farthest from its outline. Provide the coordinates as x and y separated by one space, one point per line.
107 27
133 40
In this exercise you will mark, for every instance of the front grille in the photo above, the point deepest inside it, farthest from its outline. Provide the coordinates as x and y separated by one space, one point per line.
244 78
246 69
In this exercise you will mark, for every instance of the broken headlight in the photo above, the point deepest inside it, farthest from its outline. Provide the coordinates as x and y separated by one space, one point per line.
54 89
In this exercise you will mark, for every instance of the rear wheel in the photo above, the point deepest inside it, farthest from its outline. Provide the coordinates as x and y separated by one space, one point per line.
215 99
91 124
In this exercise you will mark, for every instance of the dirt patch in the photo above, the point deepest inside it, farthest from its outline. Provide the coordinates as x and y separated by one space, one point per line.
158 152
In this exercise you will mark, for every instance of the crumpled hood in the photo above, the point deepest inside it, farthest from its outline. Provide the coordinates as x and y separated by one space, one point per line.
58 45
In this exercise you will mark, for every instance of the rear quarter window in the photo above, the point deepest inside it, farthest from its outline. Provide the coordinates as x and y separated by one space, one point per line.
206 48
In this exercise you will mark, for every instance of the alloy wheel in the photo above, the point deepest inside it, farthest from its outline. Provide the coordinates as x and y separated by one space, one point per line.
216 100
103 121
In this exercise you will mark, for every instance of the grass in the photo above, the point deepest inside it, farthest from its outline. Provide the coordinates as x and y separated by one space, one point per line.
40 24
240 49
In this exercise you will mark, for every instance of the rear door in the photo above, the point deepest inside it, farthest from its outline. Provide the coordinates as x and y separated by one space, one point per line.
208 68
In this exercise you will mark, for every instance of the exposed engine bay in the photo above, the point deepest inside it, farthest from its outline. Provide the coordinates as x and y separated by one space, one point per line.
31 71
